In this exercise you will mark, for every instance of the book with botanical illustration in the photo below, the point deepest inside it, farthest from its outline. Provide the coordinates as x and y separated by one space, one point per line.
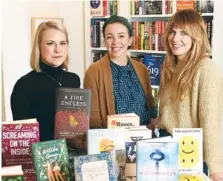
12 173
96 167
190 149
17 138
72 115
51 160
157 160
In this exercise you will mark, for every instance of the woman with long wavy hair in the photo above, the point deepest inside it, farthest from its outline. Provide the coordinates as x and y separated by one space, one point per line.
191 86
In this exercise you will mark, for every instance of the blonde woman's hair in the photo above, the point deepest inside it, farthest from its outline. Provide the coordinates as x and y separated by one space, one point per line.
193 25
35 54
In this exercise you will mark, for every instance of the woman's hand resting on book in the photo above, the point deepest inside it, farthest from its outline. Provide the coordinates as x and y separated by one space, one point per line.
153 123
218 176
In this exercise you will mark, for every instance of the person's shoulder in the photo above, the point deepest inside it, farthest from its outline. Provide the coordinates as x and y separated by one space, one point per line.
138 64
26 79
71 75
206 64
94 67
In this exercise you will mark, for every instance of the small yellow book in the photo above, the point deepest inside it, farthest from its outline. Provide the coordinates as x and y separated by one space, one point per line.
129 120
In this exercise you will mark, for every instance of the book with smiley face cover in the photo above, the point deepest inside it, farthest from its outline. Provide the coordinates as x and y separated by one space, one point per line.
190 149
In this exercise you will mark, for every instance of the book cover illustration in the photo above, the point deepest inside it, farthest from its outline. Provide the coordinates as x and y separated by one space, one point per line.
190 149
96 167
157 161
96 7
186 177
154 65
12 173
101 140
17 138
51 160
207 6
72 115
132 136
185 4
123 120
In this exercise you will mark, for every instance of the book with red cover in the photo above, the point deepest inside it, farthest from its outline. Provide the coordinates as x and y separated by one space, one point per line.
17 139
72 115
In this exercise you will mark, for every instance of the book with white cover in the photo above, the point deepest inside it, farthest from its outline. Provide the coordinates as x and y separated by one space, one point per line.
123 120
190 149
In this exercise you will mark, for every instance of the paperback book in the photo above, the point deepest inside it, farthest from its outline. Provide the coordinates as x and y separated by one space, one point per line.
96 167
72 115
17 138
157 160
12 173
51 160
123 120
190 149
132 136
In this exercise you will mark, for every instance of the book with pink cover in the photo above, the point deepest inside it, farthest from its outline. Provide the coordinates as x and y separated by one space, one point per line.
17 139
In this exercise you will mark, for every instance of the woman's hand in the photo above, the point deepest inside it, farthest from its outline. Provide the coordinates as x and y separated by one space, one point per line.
218 176
153 123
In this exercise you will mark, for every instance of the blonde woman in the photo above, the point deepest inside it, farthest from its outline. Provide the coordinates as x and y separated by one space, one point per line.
33 95
191 86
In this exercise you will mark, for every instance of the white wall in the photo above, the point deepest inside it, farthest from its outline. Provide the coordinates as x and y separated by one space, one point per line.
16 35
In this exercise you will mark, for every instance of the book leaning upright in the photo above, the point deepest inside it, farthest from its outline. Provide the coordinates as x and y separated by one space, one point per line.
17 139
157 159
190 149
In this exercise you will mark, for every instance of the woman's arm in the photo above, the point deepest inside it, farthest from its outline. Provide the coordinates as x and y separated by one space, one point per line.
20 101
91 83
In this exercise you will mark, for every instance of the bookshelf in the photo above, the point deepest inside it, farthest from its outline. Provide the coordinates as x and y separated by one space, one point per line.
127 9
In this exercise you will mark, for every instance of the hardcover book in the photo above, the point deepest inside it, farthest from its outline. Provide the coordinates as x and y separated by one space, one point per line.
185 4
72 115
153 64
96 167
123 120
101 140
157 160
207 6
96 7
51 160
17 138
12 173
190 149
132 136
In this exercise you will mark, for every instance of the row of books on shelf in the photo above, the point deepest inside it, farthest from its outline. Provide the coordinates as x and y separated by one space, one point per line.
112 154
147 35
150 7
103 7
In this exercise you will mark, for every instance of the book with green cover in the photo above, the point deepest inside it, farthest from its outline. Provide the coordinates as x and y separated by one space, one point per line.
51 160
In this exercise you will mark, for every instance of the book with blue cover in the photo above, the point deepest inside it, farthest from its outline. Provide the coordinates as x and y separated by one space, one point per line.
153 63
96 167
157 160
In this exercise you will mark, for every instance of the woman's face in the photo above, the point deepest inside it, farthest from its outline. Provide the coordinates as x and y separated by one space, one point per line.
53 47
117 40
179 42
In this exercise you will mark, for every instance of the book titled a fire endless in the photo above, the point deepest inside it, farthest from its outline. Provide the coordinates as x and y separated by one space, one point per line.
72 115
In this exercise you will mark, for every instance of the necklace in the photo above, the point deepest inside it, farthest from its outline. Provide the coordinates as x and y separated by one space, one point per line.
59 82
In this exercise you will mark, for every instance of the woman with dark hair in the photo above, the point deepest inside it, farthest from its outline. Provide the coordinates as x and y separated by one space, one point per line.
118 83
